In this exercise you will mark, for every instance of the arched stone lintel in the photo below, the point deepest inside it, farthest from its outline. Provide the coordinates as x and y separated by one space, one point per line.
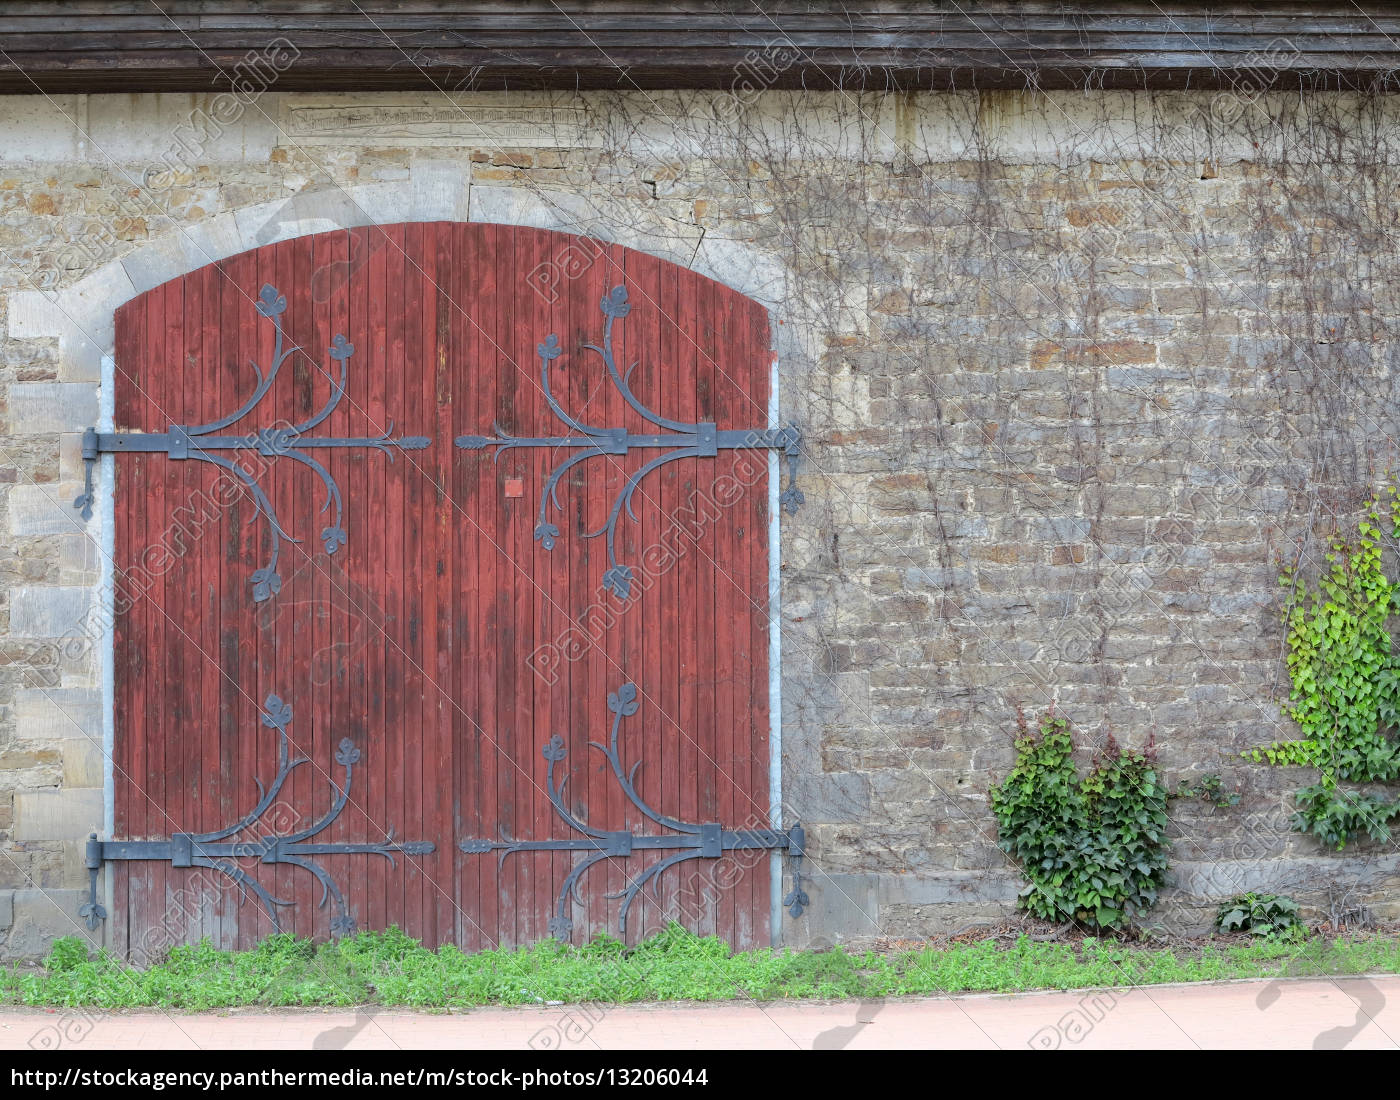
80 316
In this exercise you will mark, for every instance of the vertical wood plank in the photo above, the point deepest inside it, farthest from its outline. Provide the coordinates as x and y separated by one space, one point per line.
379 646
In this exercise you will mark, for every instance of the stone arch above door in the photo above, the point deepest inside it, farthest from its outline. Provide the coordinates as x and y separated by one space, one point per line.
80 315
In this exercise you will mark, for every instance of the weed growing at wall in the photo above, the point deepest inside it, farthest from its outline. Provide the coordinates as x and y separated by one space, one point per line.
1345 684
1208 789
1094 849
1267 915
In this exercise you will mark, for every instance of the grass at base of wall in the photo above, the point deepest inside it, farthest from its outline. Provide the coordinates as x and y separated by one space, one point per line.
390 969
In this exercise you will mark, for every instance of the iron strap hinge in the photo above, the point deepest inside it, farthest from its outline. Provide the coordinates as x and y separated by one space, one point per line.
705 442
687 840
215 851
680 440
177 443
203 443
187 850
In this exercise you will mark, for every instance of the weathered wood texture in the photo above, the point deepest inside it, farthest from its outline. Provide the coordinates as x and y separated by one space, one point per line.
196 45
414 639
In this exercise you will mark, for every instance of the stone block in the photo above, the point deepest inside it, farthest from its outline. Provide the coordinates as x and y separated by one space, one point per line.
79 559
40 408
844 907
83 764
585 216
42 129
58 814
45 509
70 459
154 263
84 322
919 921
321 211
208 241
71 871
828 798
58 714
561 210
939 578
440 190
7 909
42 916
760 275
950 888
18 757
1062 529
192 247
49 611
181 128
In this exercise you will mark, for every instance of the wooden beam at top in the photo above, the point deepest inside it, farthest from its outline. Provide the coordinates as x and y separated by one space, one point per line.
427 45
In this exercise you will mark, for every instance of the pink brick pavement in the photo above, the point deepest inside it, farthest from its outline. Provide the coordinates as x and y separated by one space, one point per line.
1351 1012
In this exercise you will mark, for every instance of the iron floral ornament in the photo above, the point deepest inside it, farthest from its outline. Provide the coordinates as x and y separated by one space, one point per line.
216 852
694 841
200 442
680 440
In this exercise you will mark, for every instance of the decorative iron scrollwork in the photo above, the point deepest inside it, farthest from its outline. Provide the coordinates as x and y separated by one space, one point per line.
695 841
697 440
282 440
214 851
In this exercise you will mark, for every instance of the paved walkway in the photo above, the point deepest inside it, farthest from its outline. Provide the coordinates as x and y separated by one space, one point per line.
1347 1012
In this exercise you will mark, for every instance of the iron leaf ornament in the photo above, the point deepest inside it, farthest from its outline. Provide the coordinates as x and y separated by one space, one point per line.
203 443
687 840
215 851
678 439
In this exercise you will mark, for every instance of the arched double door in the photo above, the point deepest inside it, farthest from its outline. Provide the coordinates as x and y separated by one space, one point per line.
442 595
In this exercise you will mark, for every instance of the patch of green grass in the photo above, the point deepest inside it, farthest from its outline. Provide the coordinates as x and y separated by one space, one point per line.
389 968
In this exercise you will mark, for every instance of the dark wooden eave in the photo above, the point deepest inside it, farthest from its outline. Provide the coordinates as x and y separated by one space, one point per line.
427 45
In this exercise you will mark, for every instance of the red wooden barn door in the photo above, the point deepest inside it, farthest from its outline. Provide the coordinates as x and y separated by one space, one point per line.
434 655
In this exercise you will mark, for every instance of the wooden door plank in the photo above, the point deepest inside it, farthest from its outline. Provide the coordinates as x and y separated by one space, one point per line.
372 281
721 556
533 578
661 733
441 769
756 508
129 669
641 650
298 383
161 811
194 653
482 875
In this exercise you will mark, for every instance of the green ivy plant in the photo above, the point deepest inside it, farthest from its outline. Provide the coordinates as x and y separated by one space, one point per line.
1345 679
1269 915
1094 848
1208 789
1336 816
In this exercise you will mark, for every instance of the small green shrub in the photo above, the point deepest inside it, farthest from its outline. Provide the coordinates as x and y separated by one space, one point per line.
67 953
1269 915
1094 849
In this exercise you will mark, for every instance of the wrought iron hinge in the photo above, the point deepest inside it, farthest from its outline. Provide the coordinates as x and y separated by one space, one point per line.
202 443
215 851
691 840
680 439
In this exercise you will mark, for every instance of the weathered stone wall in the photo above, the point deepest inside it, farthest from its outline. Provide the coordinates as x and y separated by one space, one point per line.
1073 372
